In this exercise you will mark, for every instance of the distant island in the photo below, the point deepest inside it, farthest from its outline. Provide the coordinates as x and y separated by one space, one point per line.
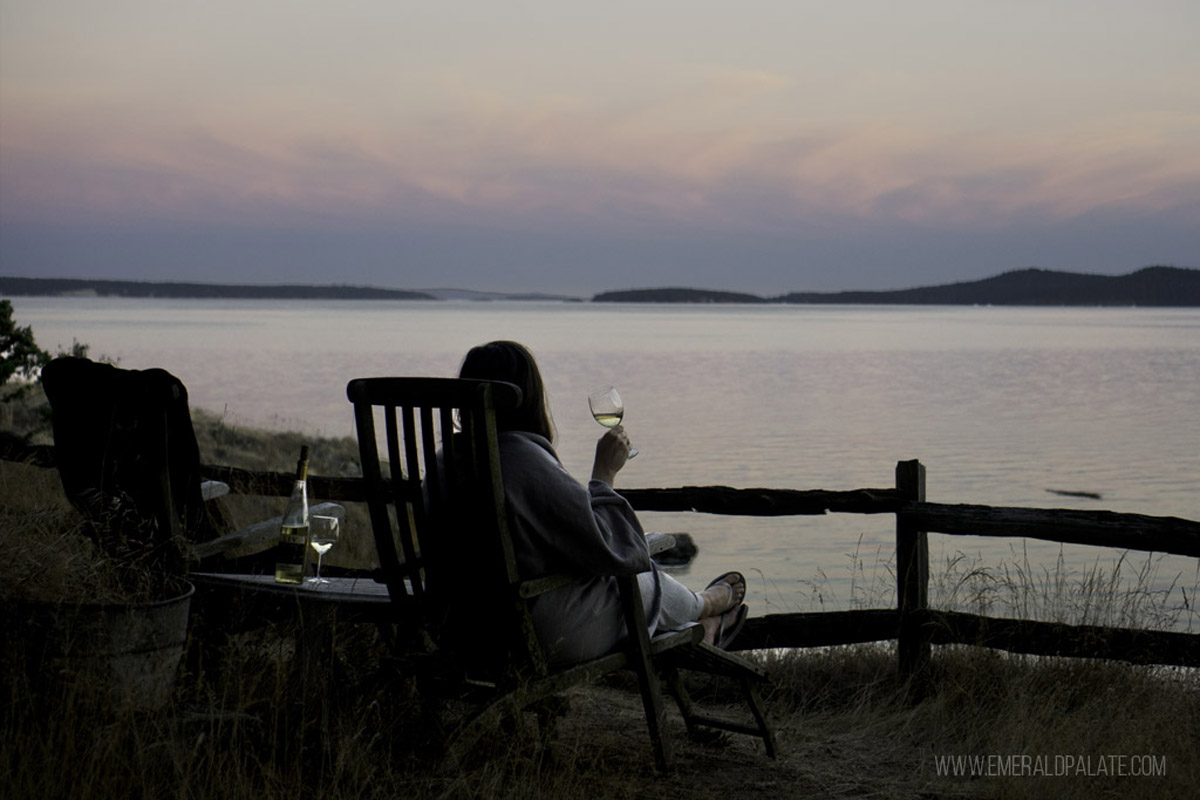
1150 286
676 295
66 287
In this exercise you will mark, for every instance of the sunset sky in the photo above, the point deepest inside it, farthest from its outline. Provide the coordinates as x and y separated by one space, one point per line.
578 147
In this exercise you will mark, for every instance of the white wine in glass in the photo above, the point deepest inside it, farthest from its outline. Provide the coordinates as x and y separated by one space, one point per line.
608 409
323 534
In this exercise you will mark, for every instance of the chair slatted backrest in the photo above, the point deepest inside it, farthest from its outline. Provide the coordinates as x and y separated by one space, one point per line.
438 515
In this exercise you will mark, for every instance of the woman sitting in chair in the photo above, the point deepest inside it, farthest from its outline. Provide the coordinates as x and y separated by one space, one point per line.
561 526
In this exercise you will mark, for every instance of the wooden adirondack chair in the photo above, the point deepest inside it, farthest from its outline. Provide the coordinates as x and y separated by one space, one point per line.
127 455
441 532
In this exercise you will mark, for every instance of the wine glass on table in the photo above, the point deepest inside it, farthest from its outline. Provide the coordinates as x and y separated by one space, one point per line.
323 534
608 409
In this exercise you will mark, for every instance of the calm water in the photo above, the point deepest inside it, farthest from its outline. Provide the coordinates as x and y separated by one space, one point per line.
1000 404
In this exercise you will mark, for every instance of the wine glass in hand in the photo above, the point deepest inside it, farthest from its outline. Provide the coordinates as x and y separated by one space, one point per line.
323 534
608 409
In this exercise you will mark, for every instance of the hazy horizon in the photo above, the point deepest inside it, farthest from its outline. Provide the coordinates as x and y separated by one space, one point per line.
767 147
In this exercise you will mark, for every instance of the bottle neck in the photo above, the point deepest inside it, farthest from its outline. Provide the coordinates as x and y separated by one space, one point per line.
302 464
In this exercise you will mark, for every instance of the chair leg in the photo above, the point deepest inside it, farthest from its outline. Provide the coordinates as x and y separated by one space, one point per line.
694 720
682 699
652 702
754 700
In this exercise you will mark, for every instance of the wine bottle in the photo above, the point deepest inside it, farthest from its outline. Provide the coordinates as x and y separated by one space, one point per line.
293 559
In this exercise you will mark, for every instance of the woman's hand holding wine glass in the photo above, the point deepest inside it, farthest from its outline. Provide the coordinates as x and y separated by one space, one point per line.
608 409
613 448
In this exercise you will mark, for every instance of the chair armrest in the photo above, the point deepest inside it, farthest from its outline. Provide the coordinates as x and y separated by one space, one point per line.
211 490
260 533
658 542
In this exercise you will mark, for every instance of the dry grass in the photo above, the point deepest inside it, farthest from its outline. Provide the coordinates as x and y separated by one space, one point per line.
243 724
47 555
221 443
1125 591
986 703
238 728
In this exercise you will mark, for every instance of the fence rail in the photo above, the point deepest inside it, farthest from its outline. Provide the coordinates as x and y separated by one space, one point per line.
279 484
1099 528
912 623
828 628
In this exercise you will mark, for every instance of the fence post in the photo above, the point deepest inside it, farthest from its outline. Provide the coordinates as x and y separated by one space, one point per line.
912 578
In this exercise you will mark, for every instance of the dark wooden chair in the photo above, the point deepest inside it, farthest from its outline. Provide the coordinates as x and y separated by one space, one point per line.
441 531
126 452
127 455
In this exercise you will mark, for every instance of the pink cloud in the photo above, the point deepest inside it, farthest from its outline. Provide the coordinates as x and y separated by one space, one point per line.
519 163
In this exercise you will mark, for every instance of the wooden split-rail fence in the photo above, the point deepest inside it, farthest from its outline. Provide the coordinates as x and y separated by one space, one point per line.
912 623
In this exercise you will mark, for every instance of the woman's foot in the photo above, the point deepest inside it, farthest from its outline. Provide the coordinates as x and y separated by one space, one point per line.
721 630
725 593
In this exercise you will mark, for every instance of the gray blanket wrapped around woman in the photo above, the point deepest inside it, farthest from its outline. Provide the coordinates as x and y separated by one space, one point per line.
558 525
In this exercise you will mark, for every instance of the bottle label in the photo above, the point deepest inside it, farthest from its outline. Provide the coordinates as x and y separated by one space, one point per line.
292 566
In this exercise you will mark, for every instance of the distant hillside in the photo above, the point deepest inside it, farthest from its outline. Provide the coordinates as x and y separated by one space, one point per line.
1151 286
54 287
676 295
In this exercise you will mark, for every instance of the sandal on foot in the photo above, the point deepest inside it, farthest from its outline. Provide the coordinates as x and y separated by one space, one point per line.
726 634
730 579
